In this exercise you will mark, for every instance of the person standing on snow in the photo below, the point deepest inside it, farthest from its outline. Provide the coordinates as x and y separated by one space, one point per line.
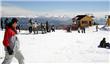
97 28
47 26
83 29
1 24
69 28
34 26
78 29
53 28
5 22
11 43
30 26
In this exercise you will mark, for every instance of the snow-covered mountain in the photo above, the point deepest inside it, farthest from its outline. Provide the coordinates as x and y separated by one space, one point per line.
53 20
101 21
23 21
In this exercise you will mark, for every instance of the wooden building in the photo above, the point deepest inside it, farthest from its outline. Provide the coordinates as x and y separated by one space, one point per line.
108 20
82 21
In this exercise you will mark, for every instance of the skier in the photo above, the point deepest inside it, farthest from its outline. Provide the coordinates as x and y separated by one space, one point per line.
11 43
103 44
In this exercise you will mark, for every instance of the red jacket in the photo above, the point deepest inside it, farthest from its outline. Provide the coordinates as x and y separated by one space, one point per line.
8 34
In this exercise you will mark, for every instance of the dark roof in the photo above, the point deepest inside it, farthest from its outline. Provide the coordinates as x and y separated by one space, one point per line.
79 17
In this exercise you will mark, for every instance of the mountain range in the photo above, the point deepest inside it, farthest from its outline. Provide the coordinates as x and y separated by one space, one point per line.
65 20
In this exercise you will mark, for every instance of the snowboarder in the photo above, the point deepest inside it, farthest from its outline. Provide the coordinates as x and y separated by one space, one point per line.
11 43
103 44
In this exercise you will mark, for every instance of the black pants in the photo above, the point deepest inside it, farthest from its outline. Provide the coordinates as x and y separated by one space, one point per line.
105 45
53 30
108 45
30 29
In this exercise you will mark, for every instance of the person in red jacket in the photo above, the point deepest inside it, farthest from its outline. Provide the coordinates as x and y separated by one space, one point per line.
11 43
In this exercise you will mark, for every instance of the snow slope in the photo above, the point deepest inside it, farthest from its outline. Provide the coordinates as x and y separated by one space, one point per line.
62 47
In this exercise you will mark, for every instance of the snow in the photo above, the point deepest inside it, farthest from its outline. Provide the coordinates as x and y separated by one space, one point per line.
105 28
62 47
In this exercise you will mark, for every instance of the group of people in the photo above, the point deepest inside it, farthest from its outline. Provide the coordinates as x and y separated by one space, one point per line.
80 29
35 26
83 29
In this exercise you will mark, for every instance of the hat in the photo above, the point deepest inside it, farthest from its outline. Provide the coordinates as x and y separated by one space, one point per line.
11 21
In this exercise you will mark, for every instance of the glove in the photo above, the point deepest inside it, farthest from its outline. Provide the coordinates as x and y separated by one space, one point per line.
10 51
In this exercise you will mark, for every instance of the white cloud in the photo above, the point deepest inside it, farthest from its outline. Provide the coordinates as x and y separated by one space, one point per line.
16 11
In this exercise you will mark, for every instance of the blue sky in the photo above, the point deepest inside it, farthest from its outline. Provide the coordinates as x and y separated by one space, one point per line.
63 5
55 6
55 0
